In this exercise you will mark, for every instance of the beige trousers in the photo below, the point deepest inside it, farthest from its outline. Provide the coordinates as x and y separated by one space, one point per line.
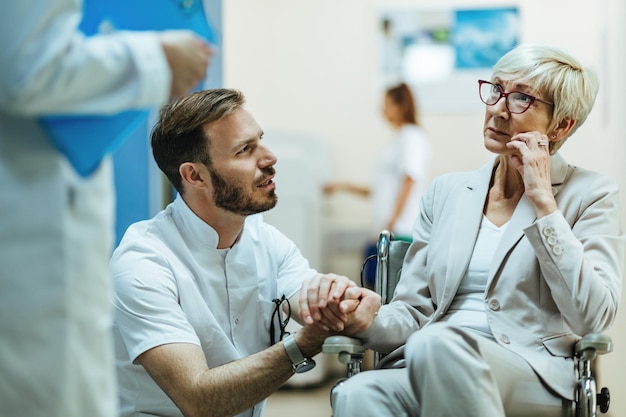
450 372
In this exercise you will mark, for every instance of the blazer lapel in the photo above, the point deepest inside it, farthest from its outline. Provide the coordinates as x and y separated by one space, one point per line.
523 216
466 222
558 172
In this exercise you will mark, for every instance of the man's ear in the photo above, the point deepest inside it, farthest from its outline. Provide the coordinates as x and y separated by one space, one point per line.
193 174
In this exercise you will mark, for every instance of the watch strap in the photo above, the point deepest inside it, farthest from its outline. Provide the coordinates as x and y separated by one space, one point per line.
299 363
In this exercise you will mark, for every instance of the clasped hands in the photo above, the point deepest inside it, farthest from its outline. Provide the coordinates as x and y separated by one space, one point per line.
336 304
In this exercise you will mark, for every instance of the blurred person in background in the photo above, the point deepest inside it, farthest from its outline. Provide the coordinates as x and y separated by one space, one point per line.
56 227
400 176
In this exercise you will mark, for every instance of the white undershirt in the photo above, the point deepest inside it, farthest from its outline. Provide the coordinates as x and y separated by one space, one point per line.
468 307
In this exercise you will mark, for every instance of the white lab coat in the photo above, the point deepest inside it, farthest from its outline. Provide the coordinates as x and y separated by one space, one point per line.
56 228
408 154
172 285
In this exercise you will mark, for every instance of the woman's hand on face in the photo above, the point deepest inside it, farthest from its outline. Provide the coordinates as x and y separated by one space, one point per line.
532 161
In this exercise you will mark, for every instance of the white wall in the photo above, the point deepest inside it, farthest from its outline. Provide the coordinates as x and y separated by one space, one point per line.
311 66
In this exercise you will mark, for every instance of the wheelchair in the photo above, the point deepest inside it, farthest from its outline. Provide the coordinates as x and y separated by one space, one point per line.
390 257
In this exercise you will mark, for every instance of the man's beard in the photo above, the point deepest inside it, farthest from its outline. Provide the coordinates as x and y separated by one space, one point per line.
234 198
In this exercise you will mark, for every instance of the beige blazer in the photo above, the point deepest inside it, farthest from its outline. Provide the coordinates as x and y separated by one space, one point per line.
551 280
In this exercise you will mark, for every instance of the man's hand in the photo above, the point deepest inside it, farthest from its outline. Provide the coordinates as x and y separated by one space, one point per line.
361 306
319 301
336 303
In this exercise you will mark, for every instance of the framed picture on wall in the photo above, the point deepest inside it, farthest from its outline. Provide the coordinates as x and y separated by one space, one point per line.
442 53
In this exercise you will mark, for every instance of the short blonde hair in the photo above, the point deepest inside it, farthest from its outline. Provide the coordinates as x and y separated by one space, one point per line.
557 76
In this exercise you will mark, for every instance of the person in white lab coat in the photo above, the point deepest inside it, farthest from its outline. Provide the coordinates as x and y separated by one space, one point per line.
400 176
56 228
199 287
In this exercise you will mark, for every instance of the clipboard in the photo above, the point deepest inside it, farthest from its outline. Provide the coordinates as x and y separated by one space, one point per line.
86 139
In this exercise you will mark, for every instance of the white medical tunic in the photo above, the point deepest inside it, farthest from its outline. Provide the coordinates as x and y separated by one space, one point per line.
56 228
172 285
408 154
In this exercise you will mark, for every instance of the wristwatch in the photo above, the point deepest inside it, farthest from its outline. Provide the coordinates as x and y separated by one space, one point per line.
299 363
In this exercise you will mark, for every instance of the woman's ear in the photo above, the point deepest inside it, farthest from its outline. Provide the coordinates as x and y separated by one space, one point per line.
562 130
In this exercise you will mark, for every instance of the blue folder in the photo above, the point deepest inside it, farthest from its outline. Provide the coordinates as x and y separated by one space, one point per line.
86 139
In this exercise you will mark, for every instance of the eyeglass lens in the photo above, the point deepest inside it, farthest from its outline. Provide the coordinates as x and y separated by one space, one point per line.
516 102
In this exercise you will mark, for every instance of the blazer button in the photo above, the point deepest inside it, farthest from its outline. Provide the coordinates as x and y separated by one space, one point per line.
552 240
505 339
494 305
548 231
557 250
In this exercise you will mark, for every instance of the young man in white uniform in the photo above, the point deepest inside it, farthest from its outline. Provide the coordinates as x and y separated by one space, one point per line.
56 228
199 288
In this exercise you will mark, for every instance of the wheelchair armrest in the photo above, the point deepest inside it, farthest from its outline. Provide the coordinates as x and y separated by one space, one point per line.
593 344
350 351
342 344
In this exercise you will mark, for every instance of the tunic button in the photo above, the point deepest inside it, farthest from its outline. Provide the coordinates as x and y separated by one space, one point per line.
505 339
236 321
494 305
548 231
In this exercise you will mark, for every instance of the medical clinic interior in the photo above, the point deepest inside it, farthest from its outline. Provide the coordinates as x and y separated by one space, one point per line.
314 73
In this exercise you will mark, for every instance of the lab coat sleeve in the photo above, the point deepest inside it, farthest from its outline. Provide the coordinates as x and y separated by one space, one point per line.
50 67
416 155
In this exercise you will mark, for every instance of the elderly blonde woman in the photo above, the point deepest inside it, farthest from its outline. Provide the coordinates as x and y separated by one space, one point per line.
509 264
